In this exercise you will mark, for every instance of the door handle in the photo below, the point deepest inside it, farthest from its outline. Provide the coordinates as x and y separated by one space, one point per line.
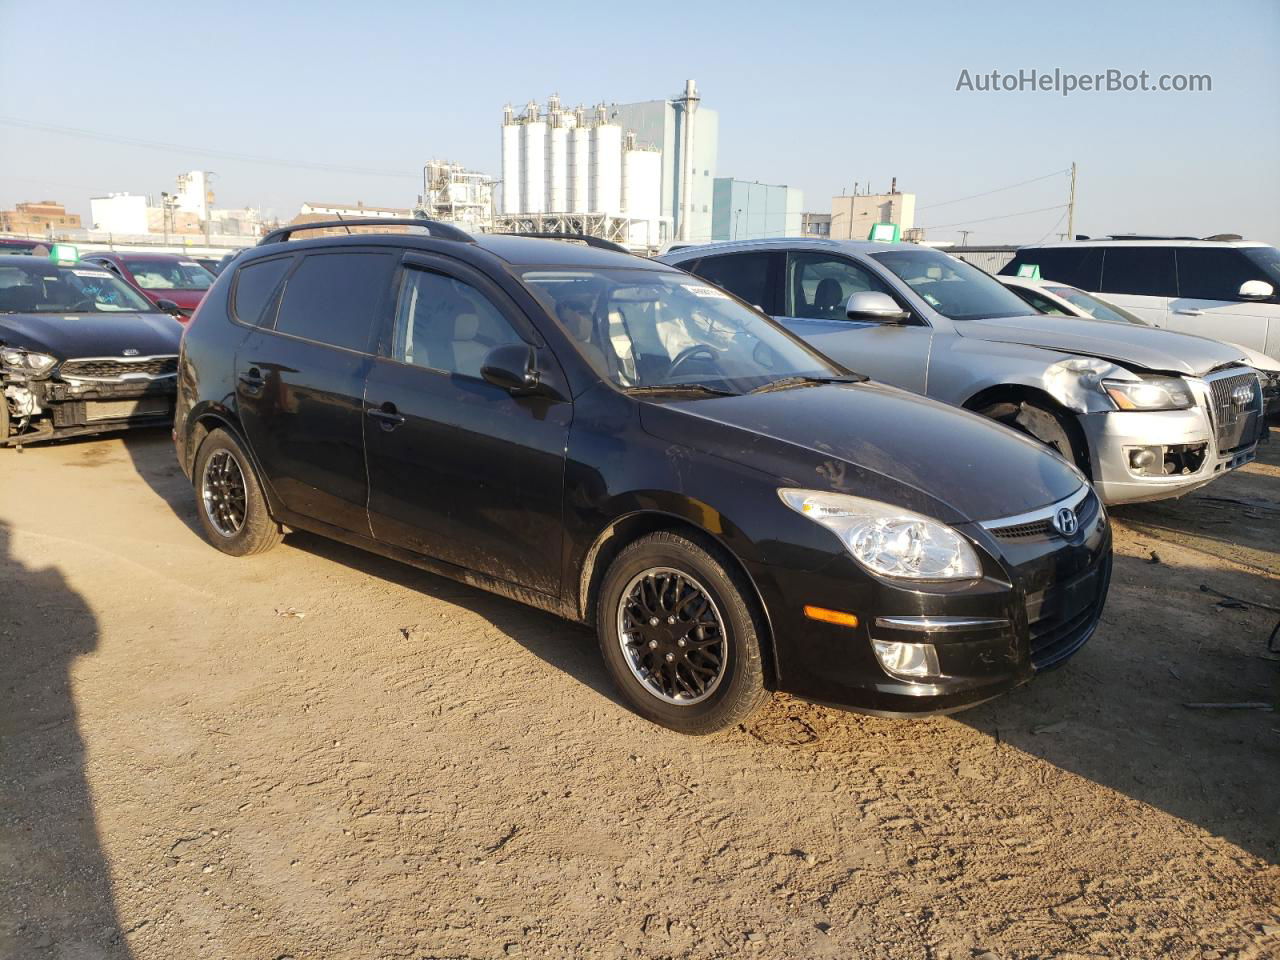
1190 313
387 415
252 378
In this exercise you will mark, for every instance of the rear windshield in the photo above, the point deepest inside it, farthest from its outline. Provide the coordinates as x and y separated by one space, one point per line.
952 287
169 274
42 287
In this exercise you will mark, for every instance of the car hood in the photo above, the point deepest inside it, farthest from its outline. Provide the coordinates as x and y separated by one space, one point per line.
1124 343
876 441
92 334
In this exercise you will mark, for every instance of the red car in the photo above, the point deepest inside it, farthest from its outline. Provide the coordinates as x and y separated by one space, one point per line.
163 278
15 245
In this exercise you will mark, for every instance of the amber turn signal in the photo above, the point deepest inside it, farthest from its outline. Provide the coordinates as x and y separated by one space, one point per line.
831 616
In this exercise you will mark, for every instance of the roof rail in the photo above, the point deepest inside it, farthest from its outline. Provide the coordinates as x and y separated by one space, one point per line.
590 241
436 228
1145 236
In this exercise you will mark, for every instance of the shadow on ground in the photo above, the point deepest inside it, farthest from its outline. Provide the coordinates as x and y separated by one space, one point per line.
55 888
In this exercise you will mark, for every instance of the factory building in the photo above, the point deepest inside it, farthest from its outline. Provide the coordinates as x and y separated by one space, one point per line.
743 210
853 216
577 170
457 195
686 135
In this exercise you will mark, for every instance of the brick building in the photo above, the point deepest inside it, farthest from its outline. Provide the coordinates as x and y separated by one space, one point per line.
43 217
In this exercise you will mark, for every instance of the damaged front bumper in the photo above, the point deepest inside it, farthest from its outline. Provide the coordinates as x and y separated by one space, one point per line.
52 409
1141 456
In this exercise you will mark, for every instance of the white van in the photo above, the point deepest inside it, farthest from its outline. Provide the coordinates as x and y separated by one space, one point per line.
1222 289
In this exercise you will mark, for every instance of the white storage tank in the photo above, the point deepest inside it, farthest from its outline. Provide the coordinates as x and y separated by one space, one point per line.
580 168
558 166
606 169
510 163
533 165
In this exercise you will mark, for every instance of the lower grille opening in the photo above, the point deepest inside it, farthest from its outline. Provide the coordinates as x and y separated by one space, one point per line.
1074 610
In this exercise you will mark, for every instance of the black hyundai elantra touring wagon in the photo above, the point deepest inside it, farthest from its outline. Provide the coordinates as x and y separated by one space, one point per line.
613 440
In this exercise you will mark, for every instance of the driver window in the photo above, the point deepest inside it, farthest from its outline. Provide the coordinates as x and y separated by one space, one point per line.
445 324
819 285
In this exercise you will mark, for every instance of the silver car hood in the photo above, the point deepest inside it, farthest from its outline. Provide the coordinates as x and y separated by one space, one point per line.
1124 343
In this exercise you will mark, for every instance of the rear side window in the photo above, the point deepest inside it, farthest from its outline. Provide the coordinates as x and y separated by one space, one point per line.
1208 274
1139 271
256 284
745 275
335 298
1078 266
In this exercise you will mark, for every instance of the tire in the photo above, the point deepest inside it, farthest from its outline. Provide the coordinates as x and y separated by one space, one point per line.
716 666
237 522
1041 423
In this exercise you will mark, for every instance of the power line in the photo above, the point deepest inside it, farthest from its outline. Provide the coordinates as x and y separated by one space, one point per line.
987 193
202 151
1062 216
1006 216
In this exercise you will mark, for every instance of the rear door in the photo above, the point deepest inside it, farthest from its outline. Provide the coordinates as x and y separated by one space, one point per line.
301 371
459 469
1209 302
1140 279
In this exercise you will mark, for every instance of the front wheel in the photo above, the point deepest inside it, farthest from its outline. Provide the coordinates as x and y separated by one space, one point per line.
233 512
680 634
1048 426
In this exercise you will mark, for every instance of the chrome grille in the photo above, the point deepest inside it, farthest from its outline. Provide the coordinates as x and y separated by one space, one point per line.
108 368
1086 508
1234 424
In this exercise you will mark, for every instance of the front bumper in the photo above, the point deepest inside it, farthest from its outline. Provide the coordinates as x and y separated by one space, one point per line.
1036 607
76 409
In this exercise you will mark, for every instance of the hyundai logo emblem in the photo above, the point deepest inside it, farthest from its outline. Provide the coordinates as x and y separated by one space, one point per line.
130 352
1242 395
1065 522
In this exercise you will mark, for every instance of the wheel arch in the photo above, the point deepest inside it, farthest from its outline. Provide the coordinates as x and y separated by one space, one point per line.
203 424
627 529
1025 393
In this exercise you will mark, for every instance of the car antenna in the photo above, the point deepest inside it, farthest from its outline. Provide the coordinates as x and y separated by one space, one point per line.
348 228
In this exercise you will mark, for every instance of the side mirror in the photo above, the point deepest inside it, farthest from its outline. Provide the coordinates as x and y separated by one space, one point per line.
510 367
1256 290
874 305
169 307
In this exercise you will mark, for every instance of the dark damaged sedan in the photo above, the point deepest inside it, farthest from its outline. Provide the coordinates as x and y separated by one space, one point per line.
80 352
618 442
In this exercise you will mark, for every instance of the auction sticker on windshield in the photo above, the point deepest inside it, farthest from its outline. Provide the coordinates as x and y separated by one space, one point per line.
92 273
707 292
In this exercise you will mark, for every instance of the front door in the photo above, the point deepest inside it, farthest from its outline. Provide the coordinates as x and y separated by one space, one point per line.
1209 302
300 379
816 287
460 469
1139 279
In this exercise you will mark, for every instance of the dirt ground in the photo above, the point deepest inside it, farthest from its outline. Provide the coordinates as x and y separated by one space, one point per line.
318 753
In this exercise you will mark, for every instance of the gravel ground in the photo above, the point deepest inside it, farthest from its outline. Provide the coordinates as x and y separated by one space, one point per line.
318 753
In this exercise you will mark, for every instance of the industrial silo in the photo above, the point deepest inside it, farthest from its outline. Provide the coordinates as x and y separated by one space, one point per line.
580 164
642 193
533 162
558 164
510 162
606 166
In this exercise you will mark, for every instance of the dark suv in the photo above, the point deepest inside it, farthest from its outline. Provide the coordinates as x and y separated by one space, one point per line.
613 440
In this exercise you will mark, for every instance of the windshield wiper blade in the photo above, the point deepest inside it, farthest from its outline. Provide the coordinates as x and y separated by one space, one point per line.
788 382
681 388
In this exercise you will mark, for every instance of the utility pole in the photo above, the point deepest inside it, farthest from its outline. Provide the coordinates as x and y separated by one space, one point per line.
1071 205
964 237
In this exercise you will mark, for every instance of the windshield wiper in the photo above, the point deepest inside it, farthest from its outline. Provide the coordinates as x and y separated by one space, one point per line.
701 388
787 382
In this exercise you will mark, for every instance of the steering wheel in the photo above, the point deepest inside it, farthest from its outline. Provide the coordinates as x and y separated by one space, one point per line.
85 305
688 353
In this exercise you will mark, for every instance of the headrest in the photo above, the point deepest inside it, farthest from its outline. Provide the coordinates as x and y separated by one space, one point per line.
466 326
829 293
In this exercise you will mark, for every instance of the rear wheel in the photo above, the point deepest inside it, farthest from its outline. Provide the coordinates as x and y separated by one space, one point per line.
233 512
680 634
1048 426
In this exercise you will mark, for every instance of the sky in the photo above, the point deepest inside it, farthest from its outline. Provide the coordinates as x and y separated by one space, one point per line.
341 102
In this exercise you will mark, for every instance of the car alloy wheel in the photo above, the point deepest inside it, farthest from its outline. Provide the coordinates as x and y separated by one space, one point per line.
222 491
672 636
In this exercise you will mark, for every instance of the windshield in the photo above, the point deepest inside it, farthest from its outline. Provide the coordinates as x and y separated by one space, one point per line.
1094 307
42 287
645 328
169 274
1268 258
952 287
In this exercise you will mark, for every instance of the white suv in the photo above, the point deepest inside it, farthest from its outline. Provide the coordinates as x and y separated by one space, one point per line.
1225 290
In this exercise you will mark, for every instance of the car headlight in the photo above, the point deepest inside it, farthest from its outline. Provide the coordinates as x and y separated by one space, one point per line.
25 361
1150 393
889 540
